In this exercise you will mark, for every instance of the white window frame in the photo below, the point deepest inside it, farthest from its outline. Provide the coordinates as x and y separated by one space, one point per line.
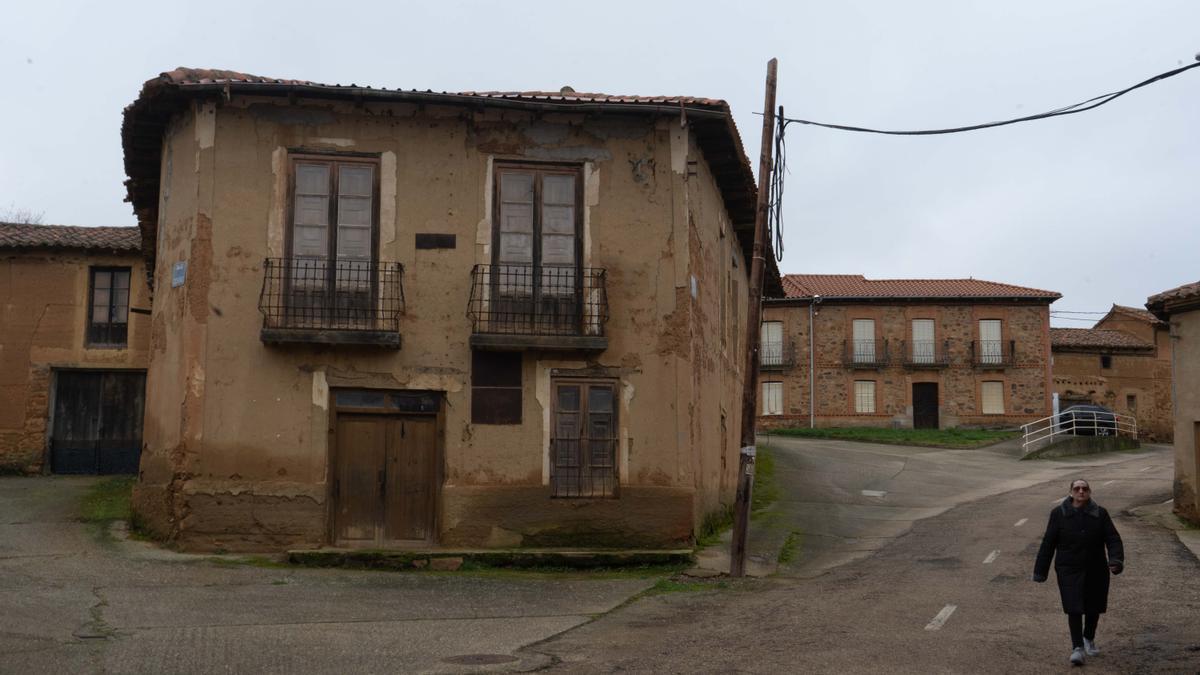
923 341
770 351
997 398
772 398
863 343
991 337
864 397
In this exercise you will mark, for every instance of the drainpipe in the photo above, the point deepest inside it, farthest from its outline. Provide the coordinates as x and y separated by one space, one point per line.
812 389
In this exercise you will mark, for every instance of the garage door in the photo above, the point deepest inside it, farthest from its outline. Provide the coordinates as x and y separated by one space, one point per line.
97 421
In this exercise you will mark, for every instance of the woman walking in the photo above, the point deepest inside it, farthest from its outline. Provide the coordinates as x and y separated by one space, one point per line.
1078 536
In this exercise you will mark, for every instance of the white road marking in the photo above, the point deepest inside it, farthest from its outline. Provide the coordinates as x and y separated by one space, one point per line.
940 619
873 493
1108 483
991 557
1169 500
1021 522
1145 469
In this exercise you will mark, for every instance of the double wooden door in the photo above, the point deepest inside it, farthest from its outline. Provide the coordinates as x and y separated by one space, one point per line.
97 421
384 479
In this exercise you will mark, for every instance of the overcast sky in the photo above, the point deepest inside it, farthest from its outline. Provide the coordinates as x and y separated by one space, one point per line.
1101 207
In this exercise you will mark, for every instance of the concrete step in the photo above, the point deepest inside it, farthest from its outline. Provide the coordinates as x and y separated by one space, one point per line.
453 559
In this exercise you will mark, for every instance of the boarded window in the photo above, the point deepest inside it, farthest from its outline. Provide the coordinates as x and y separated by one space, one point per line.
108 310
864 396
495 387
772 398
993 398
584 443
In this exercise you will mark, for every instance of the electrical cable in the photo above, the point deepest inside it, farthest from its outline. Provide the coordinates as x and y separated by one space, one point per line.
775 199
1082 106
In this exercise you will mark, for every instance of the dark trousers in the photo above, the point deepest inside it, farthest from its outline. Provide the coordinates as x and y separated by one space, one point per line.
1080 629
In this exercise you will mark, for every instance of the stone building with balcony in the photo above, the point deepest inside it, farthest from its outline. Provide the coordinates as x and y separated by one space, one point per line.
388 318
913 353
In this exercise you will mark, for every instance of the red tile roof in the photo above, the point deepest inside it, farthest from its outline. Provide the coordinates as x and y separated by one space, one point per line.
856 286
20 235
1095 338
1135 313
1180 294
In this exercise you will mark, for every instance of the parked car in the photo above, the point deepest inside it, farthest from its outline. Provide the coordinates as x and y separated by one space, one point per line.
1088 420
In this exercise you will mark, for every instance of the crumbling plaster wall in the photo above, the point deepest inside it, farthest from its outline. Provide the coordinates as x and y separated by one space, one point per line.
1185 326
1026 382
43 326
253 471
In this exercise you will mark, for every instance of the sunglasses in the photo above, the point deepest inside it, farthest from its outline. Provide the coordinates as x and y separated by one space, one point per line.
1081 488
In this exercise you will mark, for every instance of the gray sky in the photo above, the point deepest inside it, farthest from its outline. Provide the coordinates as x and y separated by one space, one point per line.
1100 206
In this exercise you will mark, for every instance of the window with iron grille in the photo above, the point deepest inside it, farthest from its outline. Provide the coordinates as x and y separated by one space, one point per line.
922 341
108 311
991 349
864 340
330 271
864 396
772 398
583 447
771 350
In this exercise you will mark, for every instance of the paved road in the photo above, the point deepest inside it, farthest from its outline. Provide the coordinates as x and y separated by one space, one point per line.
912 559
71 603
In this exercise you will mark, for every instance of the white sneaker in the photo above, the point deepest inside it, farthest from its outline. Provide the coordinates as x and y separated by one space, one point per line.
1090 647
1077 656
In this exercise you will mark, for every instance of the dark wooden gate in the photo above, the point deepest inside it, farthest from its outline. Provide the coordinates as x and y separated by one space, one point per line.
925 405
385 478
97 421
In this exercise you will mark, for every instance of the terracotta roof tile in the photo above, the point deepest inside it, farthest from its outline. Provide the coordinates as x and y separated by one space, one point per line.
1095 338
19 235
1137 313
1184 292
857 286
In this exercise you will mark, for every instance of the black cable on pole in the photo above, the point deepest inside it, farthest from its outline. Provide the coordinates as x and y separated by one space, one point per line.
1083 106
775 203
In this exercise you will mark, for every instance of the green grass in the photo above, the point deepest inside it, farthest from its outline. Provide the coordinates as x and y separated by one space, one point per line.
664 586
931 438
787 552
765 492
107 501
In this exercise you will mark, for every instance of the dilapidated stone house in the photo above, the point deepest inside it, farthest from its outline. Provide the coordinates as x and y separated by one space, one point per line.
1122 363
405 318
1180 308
913 353
74 338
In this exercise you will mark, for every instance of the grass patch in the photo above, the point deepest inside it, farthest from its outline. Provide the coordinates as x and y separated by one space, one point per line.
787 552
713 525
107 500
766 488
665 586
928 438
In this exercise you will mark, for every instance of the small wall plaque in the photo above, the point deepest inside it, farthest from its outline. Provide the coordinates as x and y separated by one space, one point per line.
429 240
178 274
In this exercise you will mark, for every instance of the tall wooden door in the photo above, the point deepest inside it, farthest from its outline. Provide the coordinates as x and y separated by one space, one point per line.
385 479
925 405
97 422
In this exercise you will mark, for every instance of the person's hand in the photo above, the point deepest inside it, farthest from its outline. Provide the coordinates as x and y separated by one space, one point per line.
1115 568
1039 578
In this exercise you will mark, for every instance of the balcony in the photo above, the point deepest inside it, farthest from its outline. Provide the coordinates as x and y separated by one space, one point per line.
993 353
925 354
865 353
776 356
516 307
322 301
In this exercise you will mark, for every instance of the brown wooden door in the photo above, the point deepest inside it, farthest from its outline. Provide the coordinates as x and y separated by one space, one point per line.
386 475
925 405
97 422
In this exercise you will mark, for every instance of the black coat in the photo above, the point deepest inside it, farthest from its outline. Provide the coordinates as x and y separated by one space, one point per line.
1077 540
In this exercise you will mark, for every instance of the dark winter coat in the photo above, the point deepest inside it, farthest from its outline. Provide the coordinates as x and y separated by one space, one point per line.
1077 540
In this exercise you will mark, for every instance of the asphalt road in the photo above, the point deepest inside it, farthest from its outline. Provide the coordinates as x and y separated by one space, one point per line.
906 582
72 601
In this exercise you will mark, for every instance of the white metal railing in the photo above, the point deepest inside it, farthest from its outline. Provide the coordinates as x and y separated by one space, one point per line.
1077 423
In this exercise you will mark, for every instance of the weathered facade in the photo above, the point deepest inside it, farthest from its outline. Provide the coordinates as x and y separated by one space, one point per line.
389 318
904 353
1180 308
72 355
1123 363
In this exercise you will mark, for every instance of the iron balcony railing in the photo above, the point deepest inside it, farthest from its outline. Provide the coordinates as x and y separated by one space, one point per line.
319 294
925 353
543 301
776 356
866 353
584 467
993 353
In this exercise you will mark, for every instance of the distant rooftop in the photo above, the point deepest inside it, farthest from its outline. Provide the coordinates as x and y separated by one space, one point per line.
25 236
1136 313
1180 297
1096 338
856 286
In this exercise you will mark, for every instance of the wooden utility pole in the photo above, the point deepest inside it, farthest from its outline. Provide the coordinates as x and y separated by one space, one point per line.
741 506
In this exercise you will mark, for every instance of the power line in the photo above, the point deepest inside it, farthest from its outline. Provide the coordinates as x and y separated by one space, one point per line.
1082 106
1067 311
1071 318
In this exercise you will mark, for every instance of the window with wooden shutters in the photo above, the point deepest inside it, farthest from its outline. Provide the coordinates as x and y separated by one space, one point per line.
772 398
108 309
990 345
331 247
536 248
864 396
583 449
922 341
495 387
864 340
992 394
